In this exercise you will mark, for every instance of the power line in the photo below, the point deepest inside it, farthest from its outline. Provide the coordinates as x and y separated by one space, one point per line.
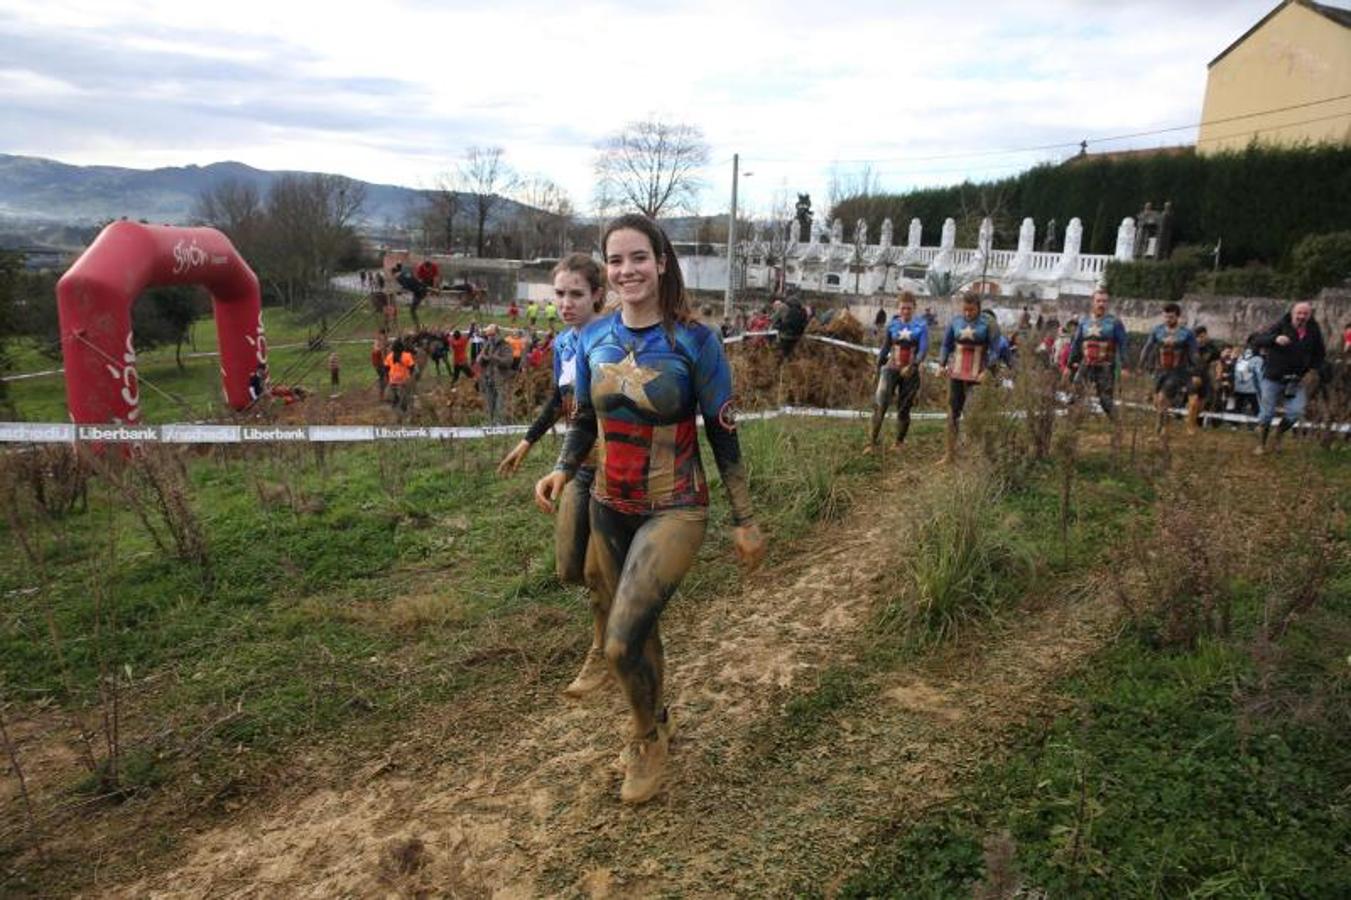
1067 144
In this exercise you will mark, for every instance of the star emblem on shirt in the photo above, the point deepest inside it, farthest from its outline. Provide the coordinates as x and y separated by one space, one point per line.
967 334
628 378
903 335
1093 331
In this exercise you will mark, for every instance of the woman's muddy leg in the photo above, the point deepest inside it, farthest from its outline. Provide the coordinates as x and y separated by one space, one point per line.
662 551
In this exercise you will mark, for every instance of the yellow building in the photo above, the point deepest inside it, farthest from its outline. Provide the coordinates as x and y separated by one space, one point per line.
1286 81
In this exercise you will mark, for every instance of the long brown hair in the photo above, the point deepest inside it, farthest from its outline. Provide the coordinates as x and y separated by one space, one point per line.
671 297
588 268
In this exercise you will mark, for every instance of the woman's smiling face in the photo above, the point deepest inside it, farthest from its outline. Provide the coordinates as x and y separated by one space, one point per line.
633 267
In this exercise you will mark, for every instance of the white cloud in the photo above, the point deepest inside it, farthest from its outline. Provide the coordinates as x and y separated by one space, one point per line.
395 92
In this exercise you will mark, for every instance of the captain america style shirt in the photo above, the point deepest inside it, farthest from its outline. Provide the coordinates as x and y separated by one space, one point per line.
638 391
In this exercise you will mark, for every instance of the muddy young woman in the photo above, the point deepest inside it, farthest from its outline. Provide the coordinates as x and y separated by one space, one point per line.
579 293
642 376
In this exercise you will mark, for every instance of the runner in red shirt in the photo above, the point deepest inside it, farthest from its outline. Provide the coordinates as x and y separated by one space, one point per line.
459 354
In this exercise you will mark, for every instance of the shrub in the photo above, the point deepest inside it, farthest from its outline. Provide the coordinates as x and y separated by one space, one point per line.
1249 281
1319 261
1151 279
960 561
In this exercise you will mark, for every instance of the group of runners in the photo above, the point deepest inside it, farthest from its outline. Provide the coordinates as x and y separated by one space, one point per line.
1181 361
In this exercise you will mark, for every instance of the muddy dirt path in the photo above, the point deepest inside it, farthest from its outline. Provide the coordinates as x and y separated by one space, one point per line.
538 813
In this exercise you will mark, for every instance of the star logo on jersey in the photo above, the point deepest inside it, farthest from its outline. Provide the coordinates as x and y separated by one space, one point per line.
967 334
1093 331
628 378
904 334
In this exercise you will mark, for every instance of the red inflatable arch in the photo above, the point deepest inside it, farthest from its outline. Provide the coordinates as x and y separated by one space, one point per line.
94 302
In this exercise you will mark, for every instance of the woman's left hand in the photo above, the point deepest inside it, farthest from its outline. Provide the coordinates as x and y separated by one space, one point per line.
749 543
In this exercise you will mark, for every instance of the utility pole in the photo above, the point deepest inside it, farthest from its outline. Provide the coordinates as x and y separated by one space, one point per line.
731 241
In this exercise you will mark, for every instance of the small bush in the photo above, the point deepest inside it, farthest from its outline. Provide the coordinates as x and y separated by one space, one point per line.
1319 261
960 561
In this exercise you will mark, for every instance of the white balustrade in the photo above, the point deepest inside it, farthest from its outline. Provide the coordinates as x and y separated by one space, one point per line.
1046 273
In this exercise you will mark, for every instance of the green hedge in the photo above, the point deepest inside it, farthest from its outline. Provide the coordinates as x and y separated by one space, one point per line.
1260 201
1319 261
1167 280
1250 281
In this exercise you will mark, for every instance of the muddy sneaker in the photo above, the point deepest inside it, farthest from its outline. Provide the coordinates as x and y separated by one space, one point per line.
666 726
645 764
594 673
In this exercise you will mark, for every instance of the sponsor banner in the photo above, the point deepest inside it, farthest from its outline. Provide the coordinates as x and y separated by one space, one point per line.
36 433
324 434
274 434
199 434
118 433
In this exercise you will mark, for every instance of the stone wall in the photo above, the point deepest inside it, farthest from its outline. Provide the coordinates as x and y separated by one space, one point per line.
1227 318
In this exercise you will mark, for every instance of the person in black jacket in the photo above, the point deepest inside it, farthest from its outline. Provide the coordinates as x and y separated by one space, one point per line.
1294 345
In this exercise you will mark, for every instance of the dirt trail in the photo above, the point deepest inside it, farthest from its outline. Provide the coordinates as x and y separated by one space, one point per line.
539 814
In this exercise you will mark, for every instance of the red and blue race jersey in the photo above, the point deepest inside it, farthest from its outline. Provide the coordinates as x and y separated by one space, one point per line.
638 391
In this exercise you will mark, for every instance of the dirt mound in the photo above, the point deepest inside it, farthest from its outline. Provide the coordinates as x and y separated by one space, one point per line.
843 327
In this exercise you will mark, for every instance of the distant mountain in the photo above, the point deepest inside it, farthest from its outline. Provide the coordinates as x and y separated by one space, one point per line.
36 194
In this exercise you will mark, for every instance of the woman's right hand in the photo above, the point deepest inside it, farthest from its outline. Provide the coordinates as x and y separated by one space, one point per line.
548 489
512 461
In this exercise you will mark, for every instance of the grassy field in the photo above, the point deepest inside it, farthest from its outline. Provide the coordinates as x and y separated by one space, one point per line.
260 618
194 393
339 595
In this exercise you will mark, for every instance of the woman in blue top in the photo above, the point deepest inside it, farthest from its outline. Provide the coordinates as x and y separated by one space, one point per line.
642 377
579 293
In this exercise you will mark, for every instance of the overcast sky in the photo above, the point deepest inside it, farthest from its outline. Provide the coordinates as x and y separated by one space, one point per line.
395 91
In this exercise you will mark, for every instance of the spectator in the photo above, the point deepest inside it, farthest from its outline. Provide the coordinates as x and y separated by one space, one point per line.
495 374
476 341
378 350
513 313
258 382
1247 379
459 355
400 365
532 312
551 314
1294 347
790 321
333 370
517 342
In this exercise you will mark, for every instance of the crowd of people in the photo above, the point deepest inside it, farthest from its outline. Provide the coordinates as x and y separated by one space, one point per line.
1271 371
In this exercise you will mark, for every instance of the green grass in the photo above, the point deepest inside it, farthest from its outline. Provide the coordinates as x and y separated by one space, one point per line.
197 385
401 594
1216 771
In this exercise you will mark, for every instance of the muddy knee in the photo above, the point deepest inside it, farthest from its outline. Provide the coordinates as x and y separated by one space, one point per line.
622 655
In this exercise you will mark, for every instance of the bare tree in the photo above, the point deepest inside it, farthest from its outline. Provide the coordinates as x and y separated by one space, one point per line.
236 208
842 186
486 177
435 212
653 166
310 228
543 225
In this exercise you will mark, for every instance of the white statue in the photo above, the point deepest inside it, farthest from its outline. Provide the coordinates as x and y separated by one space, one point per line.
985 237
837 232
860 233
949 238
1125 239
1027 236
886 233
1069 257
915 236
1074 237
794 233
